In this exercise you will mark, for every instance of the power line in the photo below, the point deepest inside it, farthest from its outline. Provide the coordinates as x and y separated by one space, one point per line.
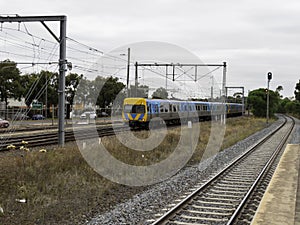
90 48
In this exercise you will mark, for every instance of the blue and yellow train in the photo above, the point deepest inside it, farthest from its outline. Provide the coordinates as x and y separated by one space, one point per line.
138 112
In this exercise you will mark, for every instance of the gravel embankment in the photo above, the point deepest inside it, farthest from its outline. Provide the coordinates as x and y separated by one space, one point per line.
144 206
296 134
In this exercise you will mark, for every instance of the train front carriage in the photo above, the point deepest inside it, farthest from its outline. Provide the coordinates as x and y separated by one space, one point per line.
135 112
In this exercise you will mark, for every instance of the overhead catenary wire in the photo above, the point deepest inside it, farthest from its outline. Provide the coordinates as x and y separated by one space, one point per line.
91 52
82 56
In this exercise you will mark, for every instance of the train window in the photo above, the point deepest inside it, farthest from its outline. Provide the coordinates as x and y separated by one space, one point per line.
174 108
161 108
166 108
127 108
149 108
170 108
138 109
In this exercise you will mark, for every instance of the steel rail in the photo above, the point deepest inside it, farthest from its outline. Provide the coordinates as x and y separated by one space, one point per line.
235 215
181 204
51 138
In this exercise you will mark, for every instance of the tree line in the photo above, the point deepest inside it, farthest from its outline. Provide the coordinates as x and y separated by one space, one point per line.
257 102
43 87
105 91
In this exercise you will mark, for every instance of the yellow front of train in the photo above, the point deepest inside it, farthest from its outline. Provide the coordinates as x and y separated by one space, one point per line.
135 112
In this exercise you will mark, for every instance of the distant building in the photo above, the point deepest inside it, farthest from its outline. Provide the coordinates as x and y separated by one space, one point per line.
13 103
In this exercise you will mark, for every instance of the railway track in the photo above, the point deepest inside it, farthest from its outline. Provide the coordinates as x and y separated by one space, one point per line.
232 195
51 137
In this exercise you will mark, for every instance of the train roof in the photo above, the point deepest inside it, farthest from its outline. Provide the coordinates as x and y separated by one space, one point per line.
173 101
154 100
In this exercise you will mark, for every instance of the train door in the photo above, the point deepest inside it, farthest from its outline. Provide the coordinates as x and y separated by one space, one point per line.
154 109
171 110
149 110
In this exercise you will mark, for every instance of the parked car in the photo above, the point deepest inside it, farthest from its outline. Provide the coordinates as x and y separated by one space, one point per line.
4 123
91 115
21 116
38 117
104 114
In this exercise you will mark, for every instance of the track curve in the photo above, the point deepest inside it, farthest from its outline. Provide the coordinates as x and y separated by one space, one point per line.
221 199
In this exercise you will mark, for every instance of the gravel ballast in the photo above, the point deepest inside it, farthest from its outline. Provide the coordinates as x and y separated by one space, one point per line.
148 205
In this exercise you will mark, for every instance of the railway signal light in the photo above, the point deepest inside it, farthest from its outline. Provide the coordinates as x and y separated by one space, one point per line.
269 76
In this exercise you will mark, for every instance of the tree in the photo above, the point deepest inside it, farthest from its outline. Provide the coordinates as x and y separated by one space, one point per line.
141 91
258 101
282 106
39 86
85 91
109 92
160 93
238 97
10 85
290 106
278 90
72 82
297 91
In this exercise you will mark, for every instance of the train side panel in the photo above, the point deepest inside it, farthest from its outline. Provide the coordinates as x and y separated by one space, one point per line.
138 112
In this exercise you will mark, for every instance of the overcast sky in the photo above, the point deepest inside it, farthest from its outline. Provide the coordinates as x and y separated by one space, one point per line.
252 36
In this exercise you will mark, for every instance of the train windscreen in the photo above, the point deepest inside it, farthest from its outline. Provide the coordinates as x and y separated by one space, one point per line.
134 109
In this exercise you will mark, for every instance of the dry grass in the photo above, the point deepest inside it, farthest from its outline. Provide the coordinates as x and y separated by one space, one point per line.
60 187
57 185
240 129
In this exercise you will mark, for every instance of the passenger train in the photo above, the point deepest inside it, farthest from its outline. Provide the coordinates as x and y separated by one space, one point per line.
138 112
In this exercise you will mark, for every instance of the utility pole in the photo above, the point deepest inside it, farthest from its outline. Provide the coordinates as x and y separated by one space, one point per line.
243 96
268 95
136 79
223 92
62 61
46 95
128 71
62 83
212 89
224 80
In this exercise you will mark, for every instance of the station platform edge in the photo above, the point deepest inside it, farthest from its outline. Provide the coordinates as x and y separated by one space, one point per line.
280 204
